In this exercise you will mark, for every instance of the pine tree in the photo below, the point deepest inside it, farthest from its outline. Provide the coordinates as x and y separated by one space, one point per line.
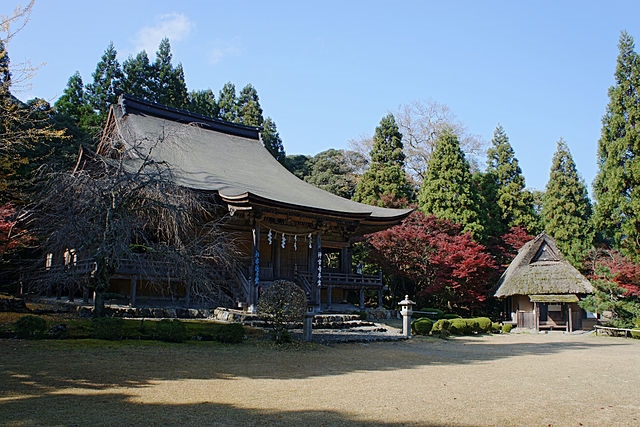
566 209
385 183
107 80
169 87
447 189
248 107
203 102
227 103
514 202
617 184
272 142
138 76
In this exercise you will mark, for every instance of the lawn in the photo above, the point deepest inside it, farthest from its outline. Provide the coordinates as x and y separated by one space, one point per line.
541 379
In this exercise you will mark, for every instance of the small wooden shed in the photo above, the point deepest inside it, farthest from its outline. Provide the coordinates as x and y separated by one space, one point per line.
541 288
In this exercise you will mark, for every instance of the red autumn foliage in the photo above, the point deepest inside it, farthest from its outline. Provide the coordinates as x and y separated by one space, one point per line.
505 248
437 258
625 273
11 236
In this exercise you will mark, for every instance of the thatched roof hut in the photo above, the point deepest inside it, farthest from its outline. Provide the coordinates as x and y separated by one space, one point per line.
541 270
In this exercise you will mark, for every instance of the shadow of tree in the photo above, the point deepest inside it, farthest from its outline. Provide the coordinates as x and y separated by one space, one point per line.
39 374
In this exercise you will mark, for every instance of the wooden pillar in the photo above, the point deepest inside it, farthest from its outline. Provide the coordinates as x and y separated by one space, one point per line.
329 296
570 323
346 260
362 298
252 298
134 289
379 297
315 266
536 314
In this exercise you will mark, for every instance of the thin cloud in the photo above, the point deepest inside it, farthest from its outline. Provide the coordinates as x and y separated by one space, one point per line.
222 49
174 26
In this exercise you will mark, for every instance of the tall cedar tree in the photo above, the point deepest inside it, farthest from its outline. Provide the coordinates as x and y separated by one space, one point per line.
203 102
228 103
272 141
385 183
74 112
446 267
447 189
617 184
566 209
248 107
513 201
138 77
107 80
169 87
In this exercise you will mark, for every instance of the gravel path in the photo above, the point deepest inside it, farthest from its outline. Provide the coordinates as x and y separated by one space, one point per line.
515 379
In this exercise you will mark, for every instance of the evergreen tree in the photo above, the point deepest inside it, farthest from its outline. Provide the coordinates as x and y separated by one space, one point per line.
106 86
73 111
385 183
513 201
203 102
447 189
331 171
169 87
138 76
272 142
617 184
248 107
566 209
227 103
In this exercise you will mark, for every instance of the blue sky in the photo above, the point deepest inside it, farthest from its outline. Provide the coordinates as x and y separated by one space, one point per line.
328 71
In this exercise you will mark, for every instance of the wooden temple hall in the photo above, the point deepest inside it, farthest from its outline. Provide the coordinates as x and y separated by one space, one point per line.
287 228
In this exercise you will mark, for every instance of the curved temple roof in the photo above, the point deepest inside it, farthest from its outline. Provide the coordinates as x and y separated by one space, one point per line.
229 159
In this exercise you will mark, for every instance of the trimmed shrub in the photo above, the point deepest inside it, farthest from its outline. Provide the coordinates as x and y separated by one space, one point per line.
461 327
441 328
422 326
506 328
107 328
484 324
496 328
171 330
30 327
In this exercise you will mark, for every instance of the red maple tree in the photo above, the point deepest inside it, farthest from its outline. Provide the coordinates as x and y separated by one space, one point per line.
443 263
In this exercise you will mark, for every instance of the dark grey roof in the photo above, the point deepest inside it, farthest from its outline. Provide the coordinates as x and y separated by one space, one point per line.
541 269
212 155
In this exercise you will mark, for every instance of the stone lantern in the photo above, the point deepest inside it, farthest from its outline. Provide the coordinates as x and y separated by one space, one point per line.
406 306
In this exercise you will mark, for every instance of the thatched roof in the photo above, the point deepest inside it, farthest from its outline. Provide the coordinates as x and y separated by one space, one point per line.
540 269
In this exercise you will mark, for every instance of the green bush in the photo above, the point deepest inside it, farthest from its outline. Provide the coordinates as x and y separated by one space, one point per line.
461 326
441 328
484 324
422 326
30 327
496 328
107 328
231 333
506 328
171 330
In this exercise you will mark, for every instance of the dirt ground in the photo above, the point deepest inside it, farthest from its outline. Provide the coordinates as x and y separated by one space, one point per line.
546 379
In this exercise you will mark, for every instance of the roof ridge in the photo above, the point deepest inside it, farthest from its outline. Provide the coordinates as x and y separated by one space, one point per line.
130 104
